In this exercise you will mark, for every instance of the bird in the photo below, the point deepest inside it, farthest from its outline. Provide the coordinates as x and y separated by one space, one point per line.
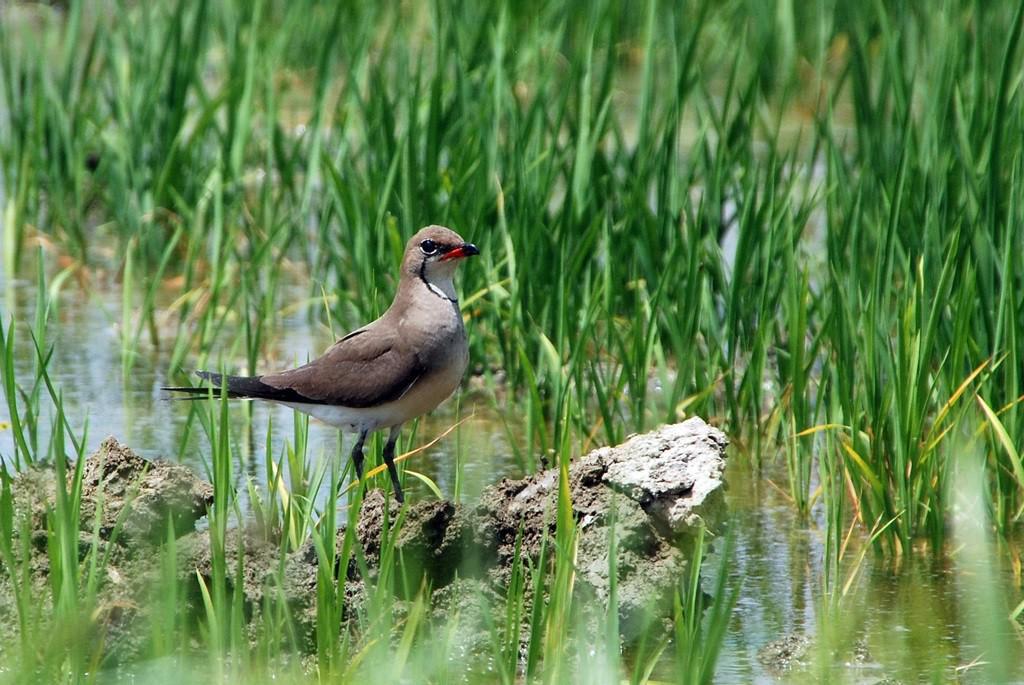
388 372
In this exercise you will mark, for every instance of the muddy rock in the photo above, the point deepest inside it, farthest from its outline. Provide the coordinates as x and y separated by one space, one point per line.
472 599
34 492
799 656
647 494
673 476
434 540
674 473
122 492
143 495
787 653
259 559
124 487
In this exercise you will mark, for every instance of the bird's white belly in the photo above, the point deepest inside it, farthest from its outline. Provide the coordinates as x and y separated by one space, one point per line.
350 419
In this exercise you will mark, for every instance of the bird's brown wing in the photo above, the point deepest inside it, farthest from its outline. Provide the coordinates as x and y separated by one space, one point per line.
364 369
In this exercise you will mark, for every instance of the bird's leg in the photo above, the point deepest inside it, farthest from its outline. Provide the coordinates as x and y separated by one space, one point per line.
389 459
357 454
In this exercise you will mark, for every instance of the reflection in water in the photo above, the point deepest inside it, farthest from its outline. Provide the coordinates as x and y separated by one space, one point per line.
909 621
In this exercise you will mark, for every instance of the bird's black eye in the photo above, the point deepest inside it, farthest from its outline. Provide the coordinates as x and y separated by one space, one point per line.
428 247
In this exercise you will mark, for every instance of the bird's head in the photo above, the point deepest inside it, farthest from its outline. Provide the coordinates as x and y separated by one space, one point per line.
434 252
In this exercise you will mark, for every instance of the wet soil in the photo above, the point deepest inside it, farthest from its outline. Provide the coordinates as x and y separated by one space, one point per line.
647 495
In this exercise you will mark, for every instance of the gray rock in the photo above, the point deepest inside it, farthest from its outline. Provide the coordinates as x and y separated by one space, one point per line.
674 473
655 488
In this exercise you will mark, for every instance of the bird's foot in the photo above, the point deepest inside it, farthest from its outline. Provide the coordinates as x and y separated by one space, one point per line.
399 495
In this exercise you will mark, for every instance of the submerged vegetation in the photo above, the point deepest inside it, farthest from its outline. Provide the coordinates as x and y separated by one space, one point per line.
800 220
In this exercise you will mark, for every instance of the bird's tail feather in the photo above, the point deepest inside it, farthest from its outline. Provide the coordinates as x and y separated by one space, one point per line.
240 387
237 386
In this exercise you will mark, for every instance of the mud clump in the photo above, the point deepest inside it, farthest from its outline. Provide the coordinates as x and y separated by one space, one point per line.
434 540
145 496
648 495
130 495
799 656
787 653
127 507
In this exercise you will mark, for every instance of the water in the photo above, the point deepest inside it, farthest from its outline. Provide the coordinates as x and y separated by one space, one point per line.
912 621
909 620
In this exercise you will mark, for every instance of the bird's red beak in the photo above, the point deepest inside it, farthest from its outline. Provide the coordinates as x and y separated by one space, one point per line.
460 252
